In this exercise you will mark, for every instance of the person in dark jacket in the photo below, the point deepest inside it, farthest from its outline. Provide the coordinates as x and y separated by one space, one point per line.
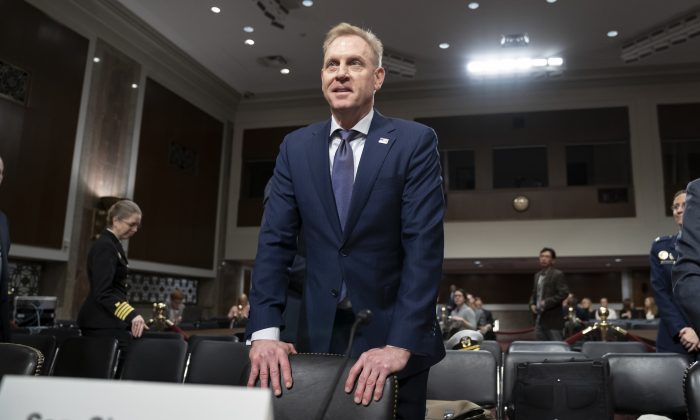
106 311
548 292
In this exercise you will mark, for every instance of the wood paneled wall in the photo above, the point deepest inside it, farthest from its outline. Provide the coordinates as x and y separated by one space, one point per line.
177 181
37 138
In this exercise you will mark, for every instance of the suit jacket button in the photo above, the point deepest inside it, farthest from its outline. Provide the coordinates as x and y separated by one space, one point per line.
344 252
334 293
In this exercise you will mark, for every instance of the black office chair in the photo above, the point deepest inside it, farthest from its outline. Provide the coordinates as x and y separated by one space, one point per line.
494 347
163 334
538 346
87 357
61 334
691 386
649 383
465 375
196 339
18 359
155 359
513 359
46 344
218 363
597 349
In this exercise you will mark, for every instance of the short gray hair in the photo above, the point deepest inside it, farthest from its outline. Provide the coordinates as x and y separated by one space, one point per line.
121 210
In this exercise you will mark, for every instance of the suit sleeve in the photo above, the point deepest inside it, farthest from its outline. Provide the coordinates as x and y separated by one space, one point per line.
422 214
686 271
103 263
277 246
663 294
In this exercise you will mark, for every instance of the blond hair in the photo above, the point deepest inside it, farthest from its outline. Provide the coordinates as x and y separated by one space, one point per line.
344 29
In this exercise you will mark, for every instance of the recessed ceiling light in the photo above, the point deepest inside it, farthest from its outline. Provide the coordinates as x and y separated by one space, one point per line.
477 262
248 29
284 71
134 86
307 3
473 5
249 42
444 45
612 34
551 1
96 59
215 9
617 260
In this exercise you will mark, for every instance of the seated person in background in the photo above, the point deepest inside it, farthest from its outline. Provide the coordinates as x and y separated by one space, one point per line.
238 314
612 314
462 316
176 306
627 311
651 311
486 321
584 310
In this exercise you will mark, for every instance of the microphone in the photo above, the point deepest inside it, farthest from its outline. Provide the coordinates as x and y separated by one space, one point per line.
363 317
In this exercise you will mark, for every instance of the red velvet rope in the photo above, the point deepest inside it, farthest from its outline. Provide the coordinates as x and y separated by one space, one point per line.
516 332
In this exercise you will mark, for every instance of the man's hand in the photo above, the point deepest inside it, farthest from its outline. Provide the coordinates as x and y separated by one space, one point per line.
137 326
371 371
533 309
267 359
689 339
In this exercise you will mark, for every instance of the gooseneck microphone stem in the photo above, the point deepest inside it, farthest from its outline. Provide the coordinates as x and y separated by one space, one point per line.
363 317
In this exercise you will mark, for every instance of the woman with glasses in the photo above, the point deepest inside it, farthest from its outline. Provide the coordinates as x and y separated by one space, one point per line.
675 333
106 311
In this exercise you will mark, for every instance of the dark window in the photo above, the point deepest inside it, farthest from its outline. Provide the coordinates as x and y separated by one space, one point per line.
459 166
598 164
520 167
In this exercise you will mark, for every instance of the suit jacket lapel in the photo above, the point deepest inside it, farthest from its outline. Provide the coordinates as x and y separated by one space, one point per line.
373 156
320 168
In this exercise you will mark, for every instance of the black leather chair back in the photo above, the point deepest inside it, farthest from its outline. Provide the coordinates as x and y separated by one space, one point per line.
155 359
649 383
494 347
196 339
465 375
18 359
313 375
513 359
596 349
163 334
538 346
218 363
61 334
86 357
691 384
46 344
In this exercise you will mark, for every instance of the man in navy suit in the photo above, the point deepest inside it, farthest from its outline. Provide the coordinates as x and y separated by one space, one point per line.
4 270
377 244
686 271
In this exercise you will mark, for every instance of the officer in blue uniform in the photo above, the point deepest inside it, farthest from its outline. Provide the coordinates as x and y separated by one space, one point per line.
662 257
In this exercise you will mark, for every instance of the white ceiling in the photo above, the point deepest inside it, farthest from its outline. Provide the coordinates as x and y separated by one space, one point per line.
573 29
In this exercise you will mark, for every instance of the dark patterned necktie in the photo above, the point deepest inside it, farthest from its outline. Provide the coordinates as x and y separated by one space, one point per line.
343 175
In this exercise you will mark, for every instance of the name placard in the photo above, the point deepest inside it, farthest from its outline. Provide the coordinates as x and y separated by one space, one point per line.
49 398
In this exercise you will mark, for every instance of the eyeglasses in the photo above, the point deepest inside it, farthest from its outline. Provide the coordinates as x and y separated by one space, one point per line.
678 206
131 225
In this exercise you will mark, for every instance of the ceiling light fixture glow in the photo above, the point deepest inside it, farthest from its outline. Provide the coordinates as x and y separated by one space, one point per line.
307 3
513 65
473 5
249 42
215 9
134 86
284 71
551 1
444 45
248 29
96 59
613 34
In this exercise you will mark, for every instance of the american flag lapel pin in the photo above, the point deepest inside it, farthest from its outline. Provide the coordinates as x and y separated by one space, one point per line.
383 140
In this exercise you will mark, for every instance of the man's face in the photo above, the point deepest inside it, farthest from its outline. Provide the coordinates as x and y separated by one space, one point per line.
678 209
604 302
349 76
546 259
458 298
